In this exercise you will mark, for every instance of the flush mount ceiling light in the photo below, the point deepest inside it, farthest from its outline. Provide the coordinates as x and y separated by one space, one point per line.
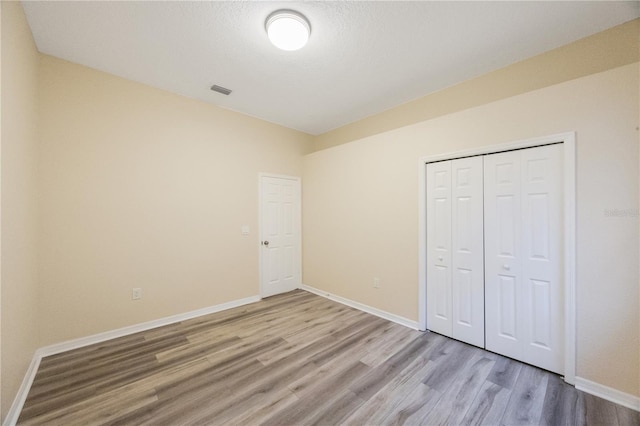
288 29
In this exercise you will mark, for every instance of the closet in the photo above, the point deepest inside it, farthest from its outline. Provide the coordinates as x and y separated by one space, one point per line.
494 253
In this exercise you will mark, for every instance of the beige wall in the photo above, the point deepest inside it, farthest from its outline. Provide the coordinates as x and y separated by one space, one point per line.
19 200
608 49
360 216
143 188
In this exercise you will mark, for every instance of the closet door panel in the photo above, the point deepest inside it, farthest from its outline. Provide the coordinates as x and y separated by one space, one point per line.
523 249
439 295
542 256
467 250
503 270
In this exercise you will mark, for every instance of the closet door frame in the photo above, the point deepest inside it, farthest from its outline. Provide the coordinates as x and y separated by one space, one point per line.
568 141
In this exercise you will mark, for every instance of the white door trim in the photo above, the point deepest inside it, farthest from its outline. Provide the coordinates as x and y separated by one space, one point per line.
568 141
299 221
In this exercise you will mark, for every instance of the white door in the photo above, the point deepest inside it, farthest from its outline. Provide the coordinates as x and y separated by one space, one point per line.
455 273
439 292
467 250
523 249
280 235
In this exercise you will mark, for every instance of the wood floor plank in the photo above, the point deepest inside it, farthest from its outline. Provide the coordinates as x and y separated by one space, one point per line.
372 382
600 412
60 360
561 404
218 373
327 378
274 402
581 410
330 323
190 350
489 405
457 354
317 398
335 410
460 394
396 337
384 403
39 407
88 383
283 372
98 409
283 351
102 363
527 398
262 382
627 416
275 323
505 372
415 407
300 359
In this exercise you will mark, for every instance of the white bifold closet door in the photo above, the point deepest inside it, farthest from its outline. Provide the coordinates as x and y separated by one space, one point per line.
523 255
455 262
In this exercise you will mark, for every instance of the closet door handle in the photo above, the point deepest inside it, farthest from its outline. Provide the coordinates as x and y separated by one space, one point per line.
506 267
440 258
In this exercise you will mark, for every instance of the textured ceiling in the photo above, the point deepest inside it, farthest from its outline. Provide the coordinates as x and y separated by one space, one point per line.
362 57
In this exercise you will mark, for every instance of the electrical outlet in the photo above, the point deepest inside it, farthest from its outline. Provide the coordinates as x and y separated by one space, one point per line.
136 293
376 282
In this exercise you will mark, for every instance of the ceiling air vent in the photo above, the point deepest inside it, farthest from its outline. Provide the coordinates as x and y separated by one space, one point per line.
220 89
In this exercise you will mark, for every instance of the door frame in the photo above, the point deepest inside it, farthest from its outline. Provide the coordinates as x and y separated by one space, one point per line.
298 213
568 141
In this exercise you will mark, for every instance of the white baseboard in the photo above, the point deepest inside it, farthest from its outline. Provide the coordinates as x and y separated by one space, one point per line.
125 331
365 308
610 394
21 397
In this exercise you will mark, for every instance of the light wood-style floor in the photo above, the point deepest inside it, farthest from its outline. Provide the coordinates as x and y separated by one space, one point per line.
299 359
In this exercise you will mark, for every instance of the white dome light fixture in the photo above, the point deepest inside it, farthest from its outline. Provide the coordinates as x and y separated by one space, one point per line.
288 29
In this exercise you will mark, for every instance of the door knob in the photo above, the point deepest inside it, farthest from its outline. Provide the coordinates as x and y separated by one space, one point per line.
266 243
440 258
506 267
